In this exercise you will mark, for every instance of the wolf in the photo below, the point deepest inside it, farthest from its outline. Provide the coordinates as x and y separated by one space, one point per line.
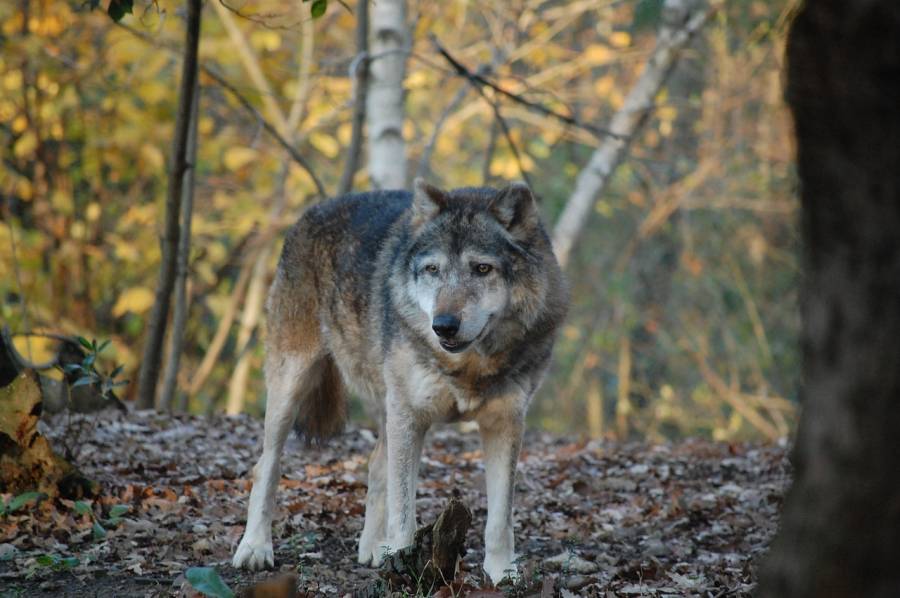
433 306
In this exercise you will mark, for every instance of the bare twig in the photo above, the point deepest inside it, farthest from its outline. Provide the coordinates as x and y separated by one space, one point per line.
489 153
270 129
480 81
424 167
251 65
218 342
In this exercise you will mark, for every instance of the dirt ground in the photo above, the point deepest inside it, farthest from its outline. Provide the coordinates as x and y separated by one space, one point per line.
592 518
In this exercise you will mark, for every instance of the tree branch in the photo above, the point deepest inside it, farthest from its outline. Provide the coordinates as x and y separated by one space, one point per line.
268 126
480 81
678 27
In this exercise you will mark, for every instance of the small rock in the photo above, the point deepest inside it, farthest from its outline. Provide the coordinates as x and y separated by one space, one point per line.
570 562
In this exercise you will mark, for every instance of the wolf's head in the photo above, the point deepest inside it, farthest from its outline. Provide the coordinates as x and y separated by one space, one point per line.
465 266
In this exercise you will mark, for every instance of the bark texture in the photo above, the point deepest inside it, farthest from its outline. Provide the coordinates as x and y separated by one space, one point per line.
840 529
389 45
679 24
179 318
156 328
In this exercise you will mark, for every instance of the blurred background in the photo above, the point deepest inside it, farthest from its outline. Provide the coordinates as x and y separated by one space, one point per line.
684 277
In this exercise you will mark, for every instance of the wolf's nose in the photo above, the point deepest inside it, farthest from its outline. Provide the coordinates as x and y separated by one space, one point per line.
445 326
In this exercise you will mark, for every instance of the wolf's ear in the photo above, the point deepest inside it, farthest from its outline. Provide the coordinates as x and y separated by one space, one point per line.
427 202
515 209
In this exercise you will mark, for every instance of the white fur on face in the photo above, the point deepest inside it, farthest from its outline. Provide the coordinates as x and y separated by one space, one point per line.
480 298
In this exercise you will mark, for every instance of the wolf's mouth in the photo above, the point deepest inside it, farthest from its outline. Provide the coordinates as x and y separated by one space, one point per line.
452 346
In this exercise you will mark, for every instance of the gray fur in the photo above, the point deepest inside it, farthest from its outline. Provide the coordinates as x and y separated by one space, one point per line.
360 281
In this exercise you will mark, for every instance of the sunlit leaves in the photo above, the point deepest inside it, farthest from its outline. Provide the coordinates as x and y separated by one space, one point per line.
236 158
136 300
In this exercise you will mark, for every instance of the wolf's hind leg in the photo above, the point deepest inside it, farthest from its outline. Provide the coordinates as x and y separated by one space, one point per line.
374 532
285 375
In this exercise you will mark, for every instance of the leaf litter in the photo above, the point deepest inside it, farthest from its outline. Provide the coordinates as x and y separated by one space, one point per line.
592 518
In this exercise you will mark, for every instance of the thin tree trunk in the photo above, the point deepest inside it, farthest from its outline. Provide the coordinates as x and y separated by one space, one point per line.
251 64
256 293
384 103
253 305
594 400
179 318
840 528
623 394
218 342
677 28
360 74
156 329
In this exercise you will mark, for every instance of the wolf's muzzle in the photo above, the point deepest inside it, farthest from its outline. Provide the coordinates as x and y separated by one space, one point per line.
445 326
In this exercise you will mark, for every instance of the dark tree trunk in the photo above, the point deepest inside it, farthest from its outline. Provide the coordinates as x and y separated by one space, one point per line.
360 86
159 316
840 530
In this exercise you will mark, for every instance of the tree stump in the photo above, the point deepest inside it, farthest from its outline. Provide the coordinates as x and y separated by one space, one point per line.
432 559
27 462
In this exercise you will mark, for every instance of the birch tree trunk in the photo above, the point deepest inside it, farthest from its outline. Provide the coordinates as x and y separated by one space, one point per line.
677 28
389 45
156 328
179 318
840 528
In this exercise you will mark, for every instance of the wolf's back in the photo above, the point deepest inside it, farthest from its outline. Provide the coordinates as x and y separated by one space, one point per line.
323 288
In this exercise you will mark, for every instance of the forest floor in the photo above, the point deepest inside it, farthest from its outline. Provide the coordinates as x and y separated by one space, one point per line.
592 518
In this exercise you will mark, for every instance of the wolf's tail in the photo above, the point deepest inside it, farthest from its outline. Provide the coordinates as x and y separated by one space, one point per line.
322 403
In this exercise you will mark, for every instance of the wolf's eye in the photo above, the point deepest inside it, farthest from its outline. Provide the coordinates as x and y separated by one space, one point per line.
431 269
483 269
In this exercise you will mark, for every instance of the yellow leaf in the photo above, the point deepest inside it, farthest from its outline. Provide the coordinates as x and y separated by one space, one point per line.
136 300
265 40
604 85
92 213
153 92
236 158
620 39
326 144
152 156
667 113
19 124
597 54
12 81
24 189
26 144
62 202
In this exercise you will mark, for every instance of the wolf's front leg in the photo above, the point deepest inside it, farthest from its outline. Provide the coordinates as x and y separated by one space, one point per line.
404 435
373 535
283 376
501 436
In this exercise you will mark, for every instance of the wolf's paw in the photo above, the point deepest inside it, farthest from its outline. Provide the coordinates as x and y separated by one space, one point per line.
253 555
374 556
500 567
370 553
